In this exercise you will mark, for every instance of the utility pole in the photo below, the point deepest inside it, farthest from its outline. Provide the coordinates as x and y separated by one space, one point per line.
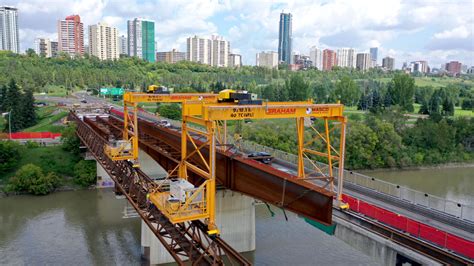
10 123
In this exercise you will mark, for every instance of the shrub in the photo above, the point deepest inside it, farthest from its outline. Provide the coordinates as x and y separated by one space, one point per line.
30 178
85 173
9 155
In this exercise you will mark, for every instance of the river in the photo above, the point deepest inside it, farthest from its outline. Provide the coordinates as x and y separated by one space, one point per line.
86 227
456 183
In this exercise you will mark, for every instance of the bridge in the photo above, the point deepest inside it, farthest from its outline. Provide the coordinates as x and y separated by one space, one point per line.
437 235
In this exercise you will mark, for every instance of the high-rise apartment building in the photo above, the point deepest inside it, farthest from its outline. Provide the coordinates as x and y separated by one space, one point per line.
220 49
363 61
267 59
214 51
329 59
71 35
199 50
103 41
43 47
9 36
172 56
141 39
285 38
122 45
374 56
235 60
388 63
346 57
453 67
316 57
54 48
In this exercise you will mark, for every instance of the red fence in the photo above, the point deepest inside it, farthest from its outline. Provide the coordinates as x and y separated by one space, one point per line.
34 135
441 238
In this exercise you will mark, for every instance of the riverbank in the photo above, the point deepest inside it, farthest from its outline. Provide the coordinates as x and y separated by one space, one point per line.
420 167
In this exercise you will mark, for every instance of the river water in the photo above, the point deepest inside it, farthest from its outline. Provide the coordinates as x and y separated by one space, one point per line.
455 183
86 227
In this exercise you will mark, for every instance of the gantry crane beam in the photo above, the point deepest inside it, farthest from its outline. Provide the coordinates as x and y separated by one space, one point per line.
127 148
207 115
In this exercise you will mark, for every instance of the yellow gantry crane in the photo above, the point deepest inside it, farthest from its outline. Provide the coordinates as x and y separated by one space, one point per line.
183 201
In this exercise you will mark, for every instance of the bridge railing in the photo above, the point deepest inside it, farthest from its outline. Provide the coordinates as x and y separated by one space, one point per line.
457 209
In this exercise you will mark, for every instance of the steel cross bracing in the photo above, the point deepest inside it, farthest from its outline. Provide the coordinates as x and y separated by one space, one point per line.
237 173
188 243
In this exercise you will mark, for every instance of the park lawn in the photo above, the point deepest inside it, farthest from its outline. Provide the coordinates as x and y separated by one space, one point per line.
50 159
47 119
54 90
466 113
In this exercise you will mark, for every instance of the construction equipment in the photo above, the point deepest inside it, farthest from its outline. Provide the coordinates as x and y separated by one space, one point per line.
238 97
181 201
158 89
127 148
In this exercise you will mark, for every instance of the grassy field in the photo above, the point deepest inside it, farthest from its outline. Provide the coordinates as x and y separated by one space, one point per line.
59 91
47 117
50 159
435 82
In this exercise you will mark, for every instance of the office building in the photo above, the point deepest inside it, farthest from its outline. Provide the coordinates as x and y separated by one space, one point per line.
285 38
363 61
214 51
171 57
267 59
43 47
453 68
141 39
316 57
122 45
419 67
71 36
346 58
388 63
329 59
103 41
373 56
9 29
235 60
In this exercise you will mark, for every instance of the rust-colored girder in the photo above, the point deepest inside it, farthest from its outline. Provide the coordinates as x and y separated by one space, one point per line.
249 177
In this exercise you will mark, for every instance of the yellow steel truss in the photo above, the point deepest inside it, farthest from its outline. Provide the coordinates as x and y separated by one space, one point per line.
210 116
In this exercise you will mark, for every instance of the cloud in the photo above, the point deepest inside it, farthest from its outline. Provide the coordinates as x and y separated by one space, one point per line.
252 26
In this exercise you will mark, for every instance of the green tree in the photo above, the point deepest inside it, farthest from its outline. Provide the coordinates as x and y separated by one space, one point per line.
347 91
401 90
30 178
361 143
28 109
3 97
13 105
85 173
9 155
70 141
171 111
297 88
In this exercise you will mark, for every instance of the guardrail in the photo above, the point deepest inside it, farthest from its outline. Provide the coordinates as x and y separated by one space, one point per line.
457 209
453 208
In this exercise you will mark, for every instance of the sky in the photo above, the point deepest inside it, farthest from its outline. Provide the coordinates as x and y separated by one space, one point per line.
433 30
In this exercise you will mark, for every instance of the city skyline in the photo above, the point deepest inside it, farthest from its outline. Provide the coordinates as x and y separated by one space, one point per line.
432 31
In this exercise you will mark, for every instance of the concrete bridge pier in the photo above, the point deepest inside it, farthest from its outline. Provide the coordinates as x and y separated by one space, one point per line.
235 218
381 249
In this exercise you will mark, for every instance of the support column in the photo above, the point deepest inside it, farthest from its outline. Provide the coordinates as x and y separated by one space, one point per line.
235 218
